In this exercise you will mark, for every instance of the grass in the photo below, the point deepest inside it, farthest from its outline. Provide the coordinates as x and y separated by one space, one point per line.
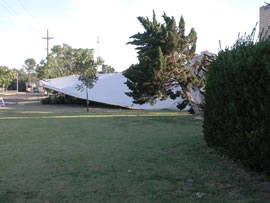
116 156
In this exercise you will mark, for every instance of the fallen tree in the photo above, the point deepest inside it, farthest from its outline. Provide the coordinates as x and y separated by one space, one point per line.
167 67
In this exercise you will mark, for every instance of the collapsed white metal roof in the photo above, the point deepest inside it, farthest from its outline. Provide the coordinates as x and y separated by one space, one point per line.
109 89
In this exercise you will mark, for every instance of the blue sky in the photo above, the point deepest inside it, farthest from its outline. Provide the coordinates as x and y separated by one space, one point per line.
79 23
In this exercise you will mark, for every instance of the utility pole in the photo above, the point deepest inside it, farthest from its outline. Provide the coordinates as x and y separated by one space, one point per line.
48 39
220 47
17 82
97 47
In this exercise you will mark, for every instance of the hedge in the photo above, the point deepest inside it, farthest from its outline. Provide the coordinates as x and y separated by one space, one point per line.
237 105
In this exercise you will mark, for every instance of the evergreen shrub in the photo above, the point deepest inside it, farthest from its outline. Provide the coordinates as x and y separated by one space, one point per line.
237 105
62 99
46 100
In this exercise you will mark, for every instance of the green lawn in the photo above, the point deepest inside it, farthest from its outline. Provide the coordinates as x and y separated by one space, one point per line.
116 156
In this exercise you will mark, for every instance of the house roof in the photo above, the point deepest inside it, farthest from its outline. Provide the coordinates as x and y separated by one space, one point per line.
109 89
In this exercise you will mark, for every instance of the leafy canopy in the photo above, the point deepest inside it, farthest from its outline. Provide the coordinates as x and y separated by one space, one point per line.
6 76
65 60
107 69
29 65
86 67
59 63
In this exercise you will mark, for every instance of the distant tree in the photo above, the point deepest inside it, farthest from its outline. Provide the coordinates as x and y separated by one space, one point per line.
62 61
29 65
6 76
46 69
62 58
86 67
59 63
22 79
164 53
107 69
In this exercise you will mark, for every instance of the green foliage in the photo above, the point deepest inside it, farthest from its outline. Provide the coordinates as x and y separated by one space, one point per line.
86 67
54 99
65 60
46 100
6 76
47 70
237 105
29 65
62 99
107 69
23 78
59 63
164 53
62 57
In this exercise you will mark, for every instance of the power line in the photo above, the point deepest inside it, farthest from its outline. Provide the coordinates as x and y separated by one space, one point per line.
13 13
11 9
29 13
16 15
26 10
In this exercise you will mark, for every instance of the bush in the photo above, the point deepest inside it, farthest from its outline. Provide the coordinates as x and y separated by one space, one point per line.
62 99
46 100
237 105
54 99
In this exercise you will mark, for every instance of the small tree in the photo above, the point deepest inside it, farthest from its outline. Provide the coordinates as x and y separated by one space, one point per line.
86 67
29 65
6 76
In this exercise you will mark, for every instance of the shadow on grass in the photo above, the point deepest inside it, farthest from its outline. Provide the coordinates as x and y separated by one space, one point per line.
150 114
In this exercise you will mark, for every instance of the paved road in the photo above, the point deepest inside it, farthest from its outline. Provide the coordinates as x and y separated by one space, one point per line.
29 101
20 98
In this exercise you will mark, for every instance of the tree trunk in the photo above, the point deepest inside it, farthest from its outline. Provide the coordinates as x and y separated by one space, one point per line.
194 105
29 81
17 82
87 101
